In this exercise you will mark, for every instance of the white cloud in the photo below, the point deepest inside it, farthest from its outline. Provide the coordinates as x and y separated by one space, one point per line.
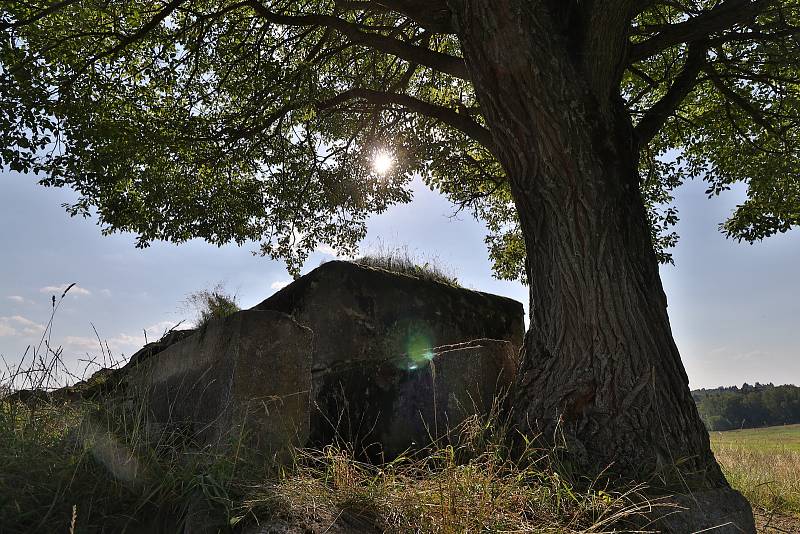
81 343
750 355
17 325
26 322
6 330
327 250
58 289
729 354
121 343
17 298
280 284
157 330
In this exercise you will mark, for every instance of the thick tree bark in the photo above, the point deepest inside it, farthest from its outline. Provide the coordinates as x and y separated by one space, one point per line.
600 367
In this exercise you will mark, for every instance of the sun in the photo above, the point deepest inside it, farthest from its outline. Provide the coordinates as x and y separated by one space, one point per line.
382 162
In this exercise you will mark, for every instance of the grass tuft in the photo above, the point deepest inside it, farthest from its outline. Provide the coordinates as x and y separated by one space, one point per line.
211 304
401 260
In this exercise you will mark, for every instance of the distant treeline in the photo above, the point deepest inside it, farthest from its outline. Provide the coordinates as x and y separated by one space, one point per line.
728 408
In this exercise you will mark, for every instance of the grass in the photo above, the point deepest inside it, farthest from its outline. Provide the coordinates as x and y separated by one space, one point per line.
764 464
93 467
77 464
98 466
211 304
775 438
439 492
401 260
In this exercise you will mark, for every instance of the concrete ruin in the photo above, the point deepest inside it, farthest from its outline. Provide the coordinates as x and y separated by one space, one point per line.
242 380
345 353
382 408
360 313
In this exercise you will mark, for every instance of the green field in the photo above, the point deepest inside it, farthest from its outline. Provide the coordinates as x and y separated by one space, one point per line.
764 464
778 438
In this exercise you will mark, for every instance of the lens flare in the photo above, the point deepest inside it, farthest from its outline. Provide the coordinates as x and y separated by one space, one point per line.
419 351
382 162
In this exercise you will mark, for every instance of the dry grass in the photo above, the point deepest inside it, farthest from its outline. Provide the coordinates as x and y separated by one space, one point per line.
769 477
401 260
90 468
95 466
438 493
764 464
211 304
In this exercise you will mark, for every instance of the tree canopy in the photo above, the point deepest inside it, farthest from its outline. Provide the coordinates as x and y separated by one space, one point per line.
235 120
729 408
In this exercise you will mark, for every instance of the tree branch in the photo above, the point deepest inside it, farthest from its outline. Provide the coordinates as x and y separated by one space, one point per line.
446 63
433 15
459 121
756 114
428 14
604 44
52 8
656 116
128 40
358 5
725 16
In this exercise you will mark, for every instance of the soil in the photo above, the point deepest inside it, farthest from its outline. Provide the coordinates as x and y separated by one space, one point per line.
774 523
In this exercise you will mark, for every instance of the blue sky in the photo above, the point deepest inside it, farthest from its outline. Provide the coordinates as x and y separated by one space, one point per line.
735 308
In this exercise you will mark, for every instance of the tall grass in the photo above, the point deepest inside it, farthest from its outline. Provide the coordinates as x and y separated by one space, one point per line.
77 465
439 493
401 260
768 477
42 368
102 466
211 304
79 460
80 463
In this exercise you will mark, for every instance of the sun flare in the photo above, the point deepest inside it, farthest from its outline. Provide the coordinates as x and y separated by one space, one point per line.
382 162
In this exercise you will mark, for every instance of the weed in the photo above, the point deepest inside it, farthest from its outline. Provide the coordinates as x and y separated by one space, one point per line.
212 304
401 260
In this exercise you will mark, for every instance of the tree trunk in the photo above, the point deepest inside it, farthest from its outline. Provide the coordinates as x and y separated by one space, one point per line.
600 370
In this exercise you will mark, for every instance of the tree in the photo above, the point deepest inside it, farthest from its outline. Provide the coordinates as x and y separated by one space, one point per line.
564 124
749 407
